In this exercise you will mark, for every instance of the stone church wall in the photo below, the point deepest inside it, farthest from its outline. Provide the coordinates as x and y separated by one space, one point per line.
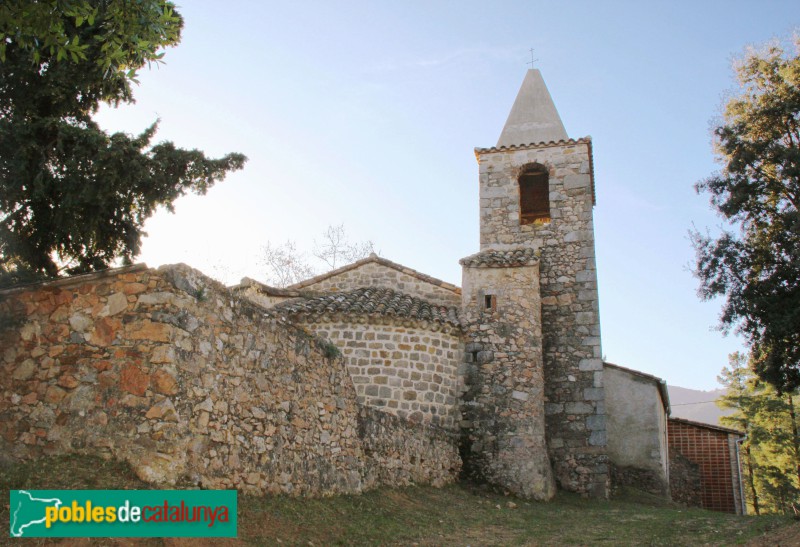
402 368
503 440
573 368
373 273
170 371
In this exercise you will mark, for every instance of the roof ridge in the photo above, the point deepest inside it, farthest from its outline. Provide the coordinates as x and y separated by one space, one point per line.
709 426
378 260
543 144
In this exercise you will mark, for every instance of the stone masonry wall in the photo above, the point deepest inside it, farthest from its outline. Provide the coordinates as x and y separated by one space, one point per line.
400 367
684 480
259 297
401 453
570 309
371 273
170 371
503 404
641 479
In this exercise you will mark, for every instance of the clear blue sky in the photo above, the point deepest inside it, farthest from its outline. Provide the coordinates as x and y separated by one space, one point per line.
367 114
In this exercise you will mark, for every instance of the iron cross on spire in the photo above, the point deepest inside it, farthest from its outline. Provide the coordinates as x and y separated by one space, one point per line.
532 59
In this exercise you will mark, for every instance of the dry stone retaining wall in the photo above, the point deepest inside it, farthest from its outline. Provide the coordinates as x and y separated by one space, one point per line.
263 295
401 453
684 480
171 372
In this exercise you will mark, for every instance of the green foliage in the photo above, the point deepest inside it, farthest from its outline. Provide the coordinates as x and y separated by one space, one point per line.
74 198
770 453
117 36
756 266
329 349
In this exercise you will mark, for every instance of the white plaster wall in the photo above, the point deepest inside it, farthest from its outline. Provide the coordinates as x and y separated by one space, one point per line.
636 422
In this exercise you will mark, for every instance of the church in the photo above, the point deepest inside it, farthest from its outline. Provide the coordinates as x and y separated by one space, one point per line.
512 358
371 374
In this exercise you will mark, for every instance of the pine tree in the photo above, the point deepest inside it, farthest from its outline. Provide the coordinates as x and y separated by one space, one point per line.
770 455
755 264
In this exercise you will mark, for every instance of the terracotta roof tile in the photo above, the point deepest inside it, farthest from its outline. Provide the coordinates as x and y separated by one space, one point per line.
372 301
582 140
509 258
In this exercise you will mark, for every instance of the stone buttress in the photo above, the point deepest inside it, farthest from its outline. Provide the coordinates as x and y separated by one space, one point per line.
503 440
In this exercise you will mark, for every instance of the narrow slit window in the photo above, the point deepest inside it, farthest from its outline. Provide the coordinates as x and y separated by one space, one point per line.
490 302
534 195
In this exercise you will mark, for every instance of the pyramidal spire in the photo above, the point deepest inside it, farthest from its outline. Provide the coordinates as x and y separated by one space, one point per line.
533 118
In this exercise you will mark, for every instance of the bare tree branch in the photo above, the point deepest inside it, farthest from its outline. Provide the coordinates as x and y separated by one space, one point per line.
285 265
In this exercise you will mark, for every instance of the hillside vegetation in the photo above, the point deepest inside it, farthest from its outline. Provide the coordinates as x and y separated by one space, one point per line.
696 405
455 515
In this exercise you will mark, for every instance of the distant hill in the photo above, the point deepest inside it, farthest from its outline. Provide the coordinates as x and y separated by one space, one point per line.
696 405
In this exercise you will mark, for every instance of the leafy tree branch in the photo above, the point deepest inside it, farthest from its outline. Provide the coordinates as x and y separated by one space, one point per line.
755 263
74 198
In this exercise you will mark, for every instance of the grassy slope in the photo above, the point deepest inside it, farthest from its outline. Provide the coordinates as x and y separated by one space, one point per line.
456 515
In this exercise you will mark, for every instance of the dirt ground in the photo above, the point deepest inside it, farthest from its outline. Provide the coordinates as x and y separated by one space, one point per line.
788 536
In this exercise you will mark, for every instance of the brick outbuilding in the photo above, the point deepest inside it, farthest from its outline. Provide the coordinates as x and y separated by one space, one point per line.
714 450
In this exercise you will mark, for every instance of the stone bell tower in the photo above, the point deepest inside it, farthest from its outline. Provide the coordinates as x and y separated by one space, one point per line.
530 302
